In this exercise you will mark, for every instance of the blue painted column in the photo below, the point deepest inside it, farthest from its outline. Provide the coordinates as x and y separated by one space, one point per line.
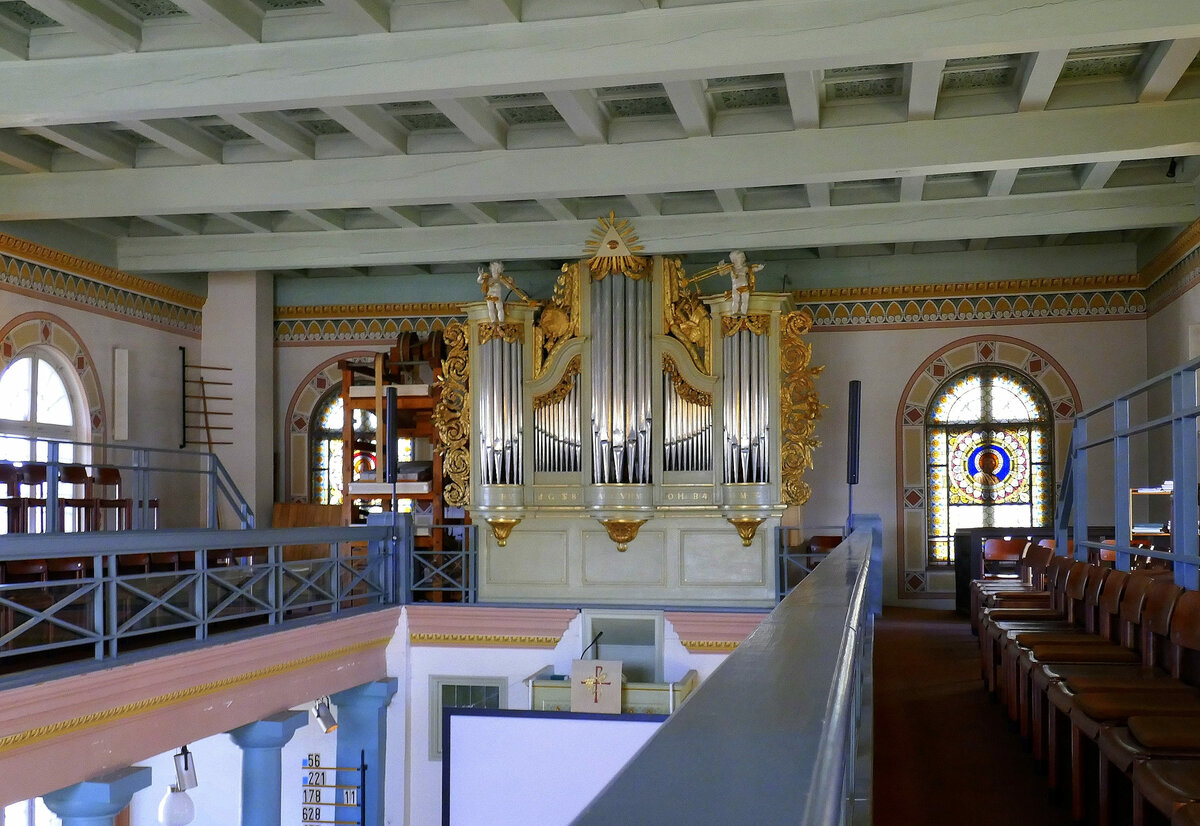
362 734
97 802
262 765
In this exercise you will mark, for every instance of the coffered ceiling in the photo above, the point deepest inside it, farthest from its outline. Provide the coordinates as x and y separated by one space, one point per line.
384 137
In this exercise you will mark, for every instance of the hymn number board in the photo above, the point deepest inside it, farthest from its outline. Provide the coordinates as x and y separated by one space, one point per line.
327 801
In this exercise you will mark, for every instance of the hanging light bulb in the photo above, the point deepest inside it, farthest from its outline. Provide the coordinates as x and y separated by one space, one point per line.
176 808
324 715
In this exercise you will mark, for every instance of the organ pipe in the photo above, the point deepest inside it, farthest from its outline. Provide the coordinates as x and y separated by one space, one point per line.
621 417
500 430
744 403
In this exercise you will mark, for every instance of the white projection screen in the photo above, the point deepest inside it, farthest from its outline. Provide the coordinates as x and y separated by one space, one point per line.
503 767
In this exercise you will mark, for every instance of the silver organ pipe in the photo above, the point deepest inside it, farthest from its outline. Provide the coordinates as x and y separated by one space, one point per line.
744 404
621 421
500 379
556 427
688 431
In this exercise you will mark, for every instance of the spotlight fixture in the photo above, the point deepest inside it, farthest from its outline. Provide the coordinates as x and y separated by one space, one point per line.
1171 167
185 770
325 718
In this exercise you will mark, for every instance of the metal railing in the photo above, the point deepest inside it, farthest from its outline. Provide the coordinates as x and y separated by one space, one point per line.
1128 431
794 558
798 694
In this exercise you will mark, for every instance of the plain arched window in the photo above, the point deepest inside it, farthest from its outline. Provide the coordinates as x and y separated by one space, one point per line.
39 399
989 456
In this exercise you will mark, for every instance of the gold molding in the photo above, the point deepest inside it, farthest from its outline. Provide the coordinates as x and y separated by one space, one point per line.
1175 252
127 710
484 640
367 310
759 324
622 531
709 646
502 528
746 527
684 390
1129 281
452 416
560 390
799 406
38 254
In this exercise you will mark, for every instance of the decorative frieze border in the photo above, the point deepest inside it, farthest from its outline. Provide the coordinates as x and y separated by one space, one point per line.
45 273
360 323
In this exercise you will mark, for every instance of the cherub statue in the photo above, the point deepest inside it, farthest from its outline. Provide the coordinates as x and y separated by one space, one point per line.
492 281
741 276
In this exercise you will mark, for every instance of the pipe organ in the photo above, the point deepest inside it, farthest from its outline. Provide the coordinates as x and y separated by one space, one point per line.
630 437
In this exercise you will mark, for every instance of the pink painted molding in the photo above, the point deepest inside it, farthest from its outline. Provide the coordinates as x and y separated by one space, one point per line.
468 625
701 632
63 731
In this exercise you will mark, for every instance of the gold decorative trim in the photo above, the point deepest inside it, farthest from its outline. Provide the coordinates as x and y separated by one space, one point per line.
502 528
622 531
1083 283
684 390
367 310
127 710
799 406
758 324
746 527
709 646
561 389
559 322
38 254
685 316
1175 252
612 247
484 640
510 331
452 416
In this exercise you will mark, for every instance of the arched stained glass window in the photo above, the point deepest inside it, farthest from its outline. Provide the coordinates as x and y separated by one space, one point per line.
989 456
328 445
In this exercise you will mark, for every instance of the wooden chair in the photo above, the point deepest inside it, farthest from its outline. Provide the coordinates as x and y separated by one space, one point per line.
10 477
77 513
114 512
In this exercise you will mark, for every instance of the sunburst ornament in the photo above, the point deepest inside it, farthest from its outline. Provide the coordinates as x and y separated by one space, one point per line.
612 247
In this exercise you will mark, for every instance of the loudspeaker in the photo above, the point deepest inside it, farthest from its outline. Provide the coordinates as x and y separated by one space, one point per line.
391 426
852 421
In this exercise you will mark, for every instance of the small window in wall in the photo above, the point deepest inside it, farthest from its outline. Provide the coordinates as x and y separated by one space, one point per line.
989 454
461 692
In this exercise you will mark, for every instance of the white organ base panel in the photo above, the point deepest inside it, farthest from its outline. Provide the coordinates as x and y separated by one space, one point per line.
674 560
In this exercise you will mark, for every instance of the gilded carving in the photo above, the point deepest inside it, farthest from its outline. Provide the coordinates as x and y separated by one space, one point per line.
559 322
561 389
509 331
759 324
622 531
746 527
452 416
613 246
502 528
484 640
685 317
682 388
800 407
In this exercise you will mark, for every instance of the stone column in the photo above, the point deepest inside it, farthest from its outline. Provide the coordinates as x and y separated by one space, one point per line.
262 743
362 736
97 802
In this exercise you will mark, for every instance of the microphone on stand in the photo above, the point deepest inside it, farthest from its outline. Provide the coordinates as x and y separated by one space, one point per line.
595 639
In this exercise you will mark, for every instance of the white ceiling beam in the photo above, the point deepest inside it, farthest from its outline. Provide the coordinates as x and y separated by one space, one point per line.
1164 67
923 82
326 220
100 145
25 153
729 200
804 97
1001 182
475 119
818 193
250 223
1039 74
557 209
178 224
722 40
14 45
582 112
364 16
476 213
95 22
891 223
404 217
645 204
239 21
1096 175
691 106
275 131
497 11
107 227
372 125
180 137
1054 137
912 187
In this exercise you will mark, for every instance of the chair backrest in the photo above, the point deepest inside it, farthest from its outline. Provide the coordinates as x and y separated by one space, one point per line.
33 475
1034 563
72 568
1097 575
109 477
1185 629
1000 549
25 570
823 544
74 475
10 477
